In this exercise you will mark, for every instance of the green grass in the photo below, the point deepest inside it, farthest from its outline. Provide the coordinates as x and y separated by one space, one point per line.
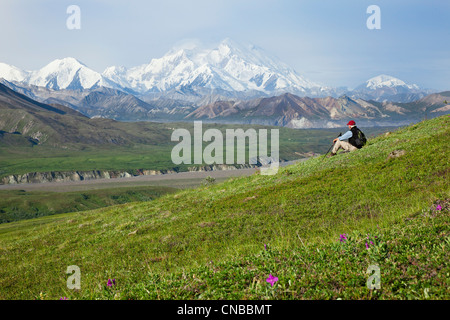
207 243
17 205
46 159
335 270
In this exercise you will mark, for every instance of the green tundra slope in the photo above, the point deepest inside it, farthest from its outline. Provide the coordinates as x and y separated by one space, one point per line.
208 243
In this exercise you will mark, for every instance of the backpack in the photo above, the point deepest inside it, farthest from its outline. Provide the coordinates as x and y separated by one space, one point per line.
358 139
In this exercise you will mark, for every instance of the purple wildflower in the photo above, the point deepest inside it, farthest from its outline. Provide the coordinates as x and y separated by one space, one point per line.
64 298
343 237
271 279
265 248
438 208
111 282
367 246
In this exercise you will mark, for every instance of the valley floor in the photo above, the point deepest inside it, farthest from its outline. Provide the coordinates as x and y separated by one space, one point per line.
180 180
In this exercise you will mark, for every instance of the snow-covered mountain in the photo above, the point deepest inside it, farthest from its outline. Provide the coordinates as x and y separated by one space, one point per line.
228 66
191 73
11 73
387 81
67 73
384 88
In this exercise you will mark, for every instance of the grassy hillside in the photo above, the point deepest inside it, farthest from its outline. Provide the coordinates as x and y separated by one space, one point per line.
209 242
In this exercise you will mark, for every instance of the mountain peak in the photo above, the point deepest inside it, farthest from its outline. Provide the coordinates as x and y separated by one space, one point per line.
232 44
66 62
228 46
384 80
227 42
11 73
66 73
385 87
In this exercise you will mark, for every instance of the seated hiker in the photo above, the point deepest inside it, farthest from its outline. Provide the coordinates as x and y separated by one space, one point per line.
355 137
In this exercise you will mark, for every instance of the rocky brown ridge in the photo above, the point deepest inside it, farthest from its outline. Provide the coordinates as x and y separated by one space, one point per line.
293 111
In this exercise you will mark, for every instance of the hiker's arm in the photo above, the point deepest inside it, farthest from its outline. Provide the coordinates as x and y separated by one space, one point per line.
346 135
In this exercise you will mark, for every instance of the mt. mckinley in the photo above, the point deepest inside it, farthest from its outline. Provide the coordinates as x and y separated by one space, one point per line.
227 67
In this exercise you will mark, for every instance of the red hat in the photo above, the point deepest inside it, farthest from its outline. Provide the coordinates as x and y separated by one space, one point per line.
351 123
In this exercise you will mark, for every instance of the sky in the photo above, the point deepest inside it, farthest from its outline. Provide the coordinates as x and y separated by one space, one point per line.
326 41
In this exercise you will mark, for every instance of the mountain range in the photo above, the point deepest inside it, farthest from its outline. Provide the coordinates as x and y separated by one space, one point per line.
217 83
292 111
229 67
